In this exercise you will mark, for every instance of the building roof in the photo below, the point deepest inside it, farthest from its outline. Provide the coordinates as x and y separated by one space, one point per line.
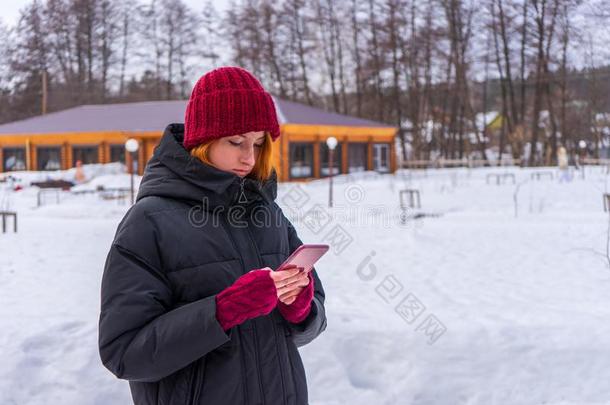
297 113
155 115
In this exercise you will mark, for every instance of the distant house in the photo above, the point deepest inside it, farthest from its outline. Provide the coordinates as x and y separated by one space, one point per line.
489 121
97 133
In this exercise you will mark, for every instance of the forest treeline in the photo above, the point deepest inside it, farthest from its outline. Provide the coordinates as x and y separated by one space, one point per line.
430 68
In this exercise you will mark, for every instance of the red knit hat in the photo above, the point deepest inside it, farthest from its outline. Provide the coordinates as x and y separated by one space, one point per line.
228 101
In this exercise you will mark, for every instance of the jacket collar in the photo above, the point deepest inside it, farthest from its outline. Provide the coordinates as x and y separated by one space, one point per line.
186 177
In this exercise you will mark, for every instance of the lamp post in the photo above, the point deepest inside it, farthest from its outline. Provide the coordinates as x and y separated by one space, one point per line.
582 145
332 144
132 146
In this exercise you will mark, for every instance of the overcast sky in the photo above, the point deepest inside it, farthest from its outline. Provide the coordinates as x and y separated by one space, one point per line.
10 8
599 33
9 15
10 11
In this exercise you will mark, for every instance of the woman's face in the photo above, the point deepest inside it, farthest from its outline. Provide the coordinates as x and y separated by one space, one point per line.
238 153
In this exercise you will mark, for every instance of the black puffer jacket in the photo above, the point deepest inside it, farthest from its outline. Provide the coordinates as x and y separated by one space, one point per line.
190 235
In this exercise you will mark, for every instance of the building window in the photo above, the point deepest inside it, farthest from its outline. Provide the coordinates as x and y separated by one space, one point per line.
356 157
324 152
381 157
86 154
301 160
117 153
48 158
14 159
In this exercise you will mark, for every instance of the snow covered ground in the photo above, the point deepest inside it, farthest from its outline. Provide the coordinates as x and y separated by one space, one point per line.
479 301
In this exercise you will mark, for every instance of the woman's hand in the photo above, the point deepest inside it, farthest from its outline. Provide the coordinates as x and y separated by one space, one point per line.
289 283
295 290
250 296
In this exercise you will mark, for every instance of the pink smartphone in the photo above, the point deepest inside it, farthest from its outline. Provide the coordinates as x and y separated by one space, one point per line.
305 256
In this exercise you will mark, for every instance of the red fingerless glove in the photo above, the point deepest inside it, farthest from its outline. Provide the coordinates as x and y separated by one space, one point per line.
299 309
250 296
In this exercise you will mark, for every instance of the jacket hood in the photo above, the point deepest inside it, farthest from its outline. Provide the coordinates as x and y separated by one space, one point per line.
172 172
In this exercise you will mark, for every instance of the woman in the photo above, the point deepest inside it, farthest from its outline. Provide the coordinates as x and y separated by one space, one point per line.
191 312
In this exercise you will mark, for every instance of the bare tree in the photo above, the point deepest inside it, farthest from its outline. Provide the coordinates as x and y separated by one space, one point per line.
355 49
376 65
86 25
211 33
414 65
188 38
329 46
460 21
61 27
544 19
150 33
298 23
109 29
235 34
270 20
127 10
5 79
29 60
394 26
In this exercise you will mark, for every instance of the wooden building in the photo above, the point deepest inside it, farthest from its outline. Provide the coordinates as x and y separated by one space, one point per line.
97 134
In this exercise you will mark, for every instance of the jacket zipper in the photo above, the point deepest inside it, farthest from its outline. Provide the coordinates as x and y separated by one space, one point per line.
256 359
243 363
242 196
260 263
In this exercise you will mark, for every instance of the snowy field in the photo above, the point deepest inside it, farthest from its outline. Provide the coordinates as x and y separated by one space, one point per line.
488 294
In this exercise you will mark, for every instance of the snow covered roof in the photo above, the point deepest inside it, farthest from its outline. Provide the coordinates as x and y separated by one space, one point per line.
155 115
297 113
